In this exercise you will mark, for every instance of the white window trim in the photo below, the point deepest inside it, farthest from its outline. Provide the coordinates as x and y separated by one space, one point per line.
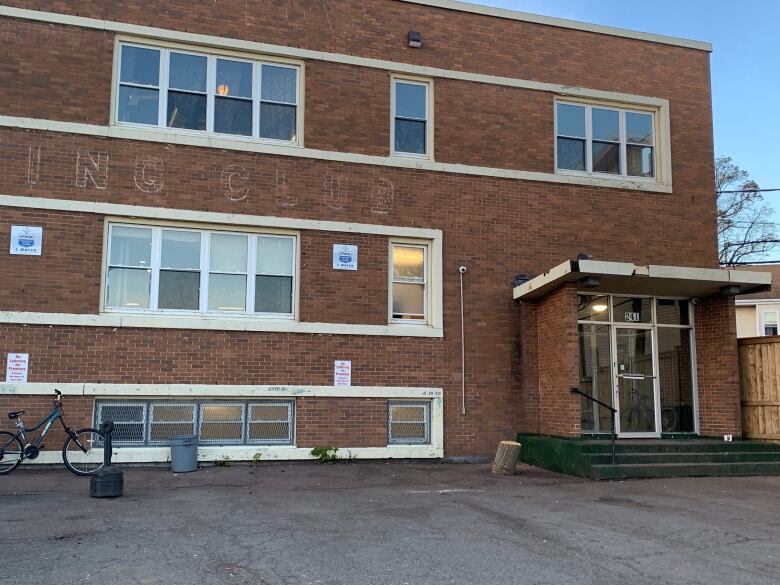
204 268
428 84
661 144
257 61
428 296
763 323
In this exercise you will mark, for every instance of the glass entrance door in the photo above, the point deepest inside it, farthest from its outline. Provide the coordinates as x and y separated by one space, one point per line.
635 388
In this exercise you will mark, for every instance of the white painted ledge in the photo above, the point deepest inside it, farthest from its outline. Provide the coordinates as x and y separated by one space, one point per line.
215 324
208 454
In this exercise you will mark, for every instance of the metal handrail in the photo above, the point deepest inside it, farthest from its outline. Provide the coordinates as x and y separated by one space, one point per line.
605 405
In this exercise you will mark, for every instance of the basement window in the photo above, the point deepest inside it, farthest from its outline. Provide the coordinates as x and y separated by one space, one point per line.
409 422
141 423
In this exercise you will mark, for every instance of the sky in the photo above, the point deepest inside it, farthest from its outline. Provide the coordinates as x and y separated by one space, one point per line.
745 64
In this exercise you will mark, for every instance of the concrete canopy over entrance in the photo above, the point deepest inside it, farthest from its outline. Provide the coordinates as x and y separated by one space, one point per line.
652 279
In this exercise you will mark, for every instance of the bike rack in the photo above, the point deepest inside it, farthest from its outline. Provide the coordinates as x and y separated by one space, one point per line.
607 406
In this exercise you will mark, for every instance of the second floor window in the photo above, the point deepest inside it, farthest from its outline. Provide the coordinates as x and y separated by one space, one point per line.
410 118
603 140
162 269
172 88
408 282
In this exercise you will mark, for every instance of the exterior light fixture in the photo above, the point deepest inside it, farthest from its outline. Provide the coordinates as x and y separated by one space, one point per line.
415 39
590 282
222 89
600 307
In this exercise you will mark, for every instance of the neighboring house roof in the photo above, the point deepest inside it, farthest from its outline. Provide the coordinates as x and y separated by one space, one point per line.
774 292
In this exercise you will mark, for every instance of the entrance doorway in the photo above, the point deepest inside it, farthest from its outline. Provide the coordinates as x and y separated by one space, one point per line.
636 353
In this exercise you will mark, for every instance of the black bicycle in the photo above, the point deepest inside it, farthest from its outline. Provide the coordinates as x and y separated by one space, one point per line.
82 452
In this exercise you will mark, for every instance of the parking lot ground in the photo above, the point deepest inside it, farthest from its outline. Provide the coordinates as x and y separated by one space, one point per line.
386 523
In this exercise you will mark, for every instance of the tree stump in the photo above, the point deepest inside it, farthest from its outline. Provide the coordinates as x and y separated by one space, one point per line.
506 458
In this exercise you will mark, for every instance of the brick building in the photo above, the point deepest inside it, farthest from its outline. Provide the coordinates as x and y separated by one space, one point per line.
234 196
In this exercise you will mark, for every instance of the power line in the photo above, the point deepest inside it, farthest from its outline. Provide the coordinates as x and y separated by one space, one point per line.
750 190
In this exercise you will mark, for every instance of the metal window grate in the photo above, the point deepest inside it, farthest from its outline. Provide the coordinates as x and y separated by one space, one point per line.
154 422
408 422
270 423
222 423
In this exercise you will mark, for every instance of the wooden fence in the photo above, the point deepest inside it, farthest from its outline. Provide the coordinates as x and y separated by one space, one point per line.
759 381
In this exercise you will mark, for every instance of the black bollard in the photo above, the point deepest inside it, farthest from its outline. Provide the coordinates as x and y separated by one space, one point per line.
107 482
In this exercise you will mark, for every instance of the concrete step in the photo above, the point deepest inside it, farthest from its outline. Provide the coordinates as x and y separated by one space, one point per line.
682 446
685 457
655 470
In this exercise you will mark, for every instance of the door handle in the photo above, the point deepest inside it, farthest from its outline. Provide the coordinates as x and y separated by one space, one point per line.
635 377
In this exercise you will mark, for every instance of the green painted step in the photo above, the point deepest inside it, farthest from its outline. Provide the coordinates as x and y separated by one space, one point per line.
678 457
673 446
648 471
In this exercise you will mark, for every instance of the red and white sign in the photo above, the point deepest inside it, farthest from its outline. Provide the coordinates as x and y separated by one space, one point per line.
342 373
16 368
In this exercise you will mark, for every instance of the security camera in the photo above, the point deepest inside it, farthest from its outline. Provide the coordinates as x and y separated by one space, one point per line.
462 269
694 301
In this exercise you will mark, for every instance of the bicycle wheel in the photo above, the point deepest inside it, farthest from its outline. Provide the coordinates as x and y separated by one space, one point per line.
11 452
82 452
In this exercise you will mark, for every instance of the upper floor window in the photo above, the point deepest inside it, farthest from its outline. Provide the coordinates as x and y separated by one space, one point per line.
408 282
604 140
770 323
171 88
170 269
411 120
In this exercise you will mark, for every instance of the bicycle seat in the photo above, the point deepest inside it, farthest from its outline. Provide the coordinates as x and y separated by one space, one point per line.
13 415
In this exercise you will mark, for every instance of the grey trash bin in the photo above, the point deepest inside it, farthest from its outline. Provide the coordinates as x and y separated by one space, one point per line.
184 453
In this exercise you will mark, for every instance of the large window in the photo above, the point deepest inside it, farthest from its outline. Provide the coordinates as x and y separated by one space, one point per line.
153 422
411 124
172 88
408 282
604 140
171 269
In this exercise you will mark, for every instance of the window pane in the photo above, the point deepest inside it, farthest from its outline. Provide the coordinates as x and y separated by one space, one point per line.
632 309
408 262
410 100
234 78
639 128
277 122
571 154
128 288
671 312
408 301
275 255
606 125
138 105
639 160
676 380
179 290
593 308
222 412
227 292
278 84
770 330
273 294
140 66
606 158
595 377
233 116
180 250
410 136
770 318
131 246
571 120
186 110
228 253
187 72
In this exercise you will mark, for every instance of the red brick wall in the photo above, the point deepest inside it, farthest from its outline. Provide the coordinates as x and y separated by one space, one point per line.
550 332
497 227
341 422
717 367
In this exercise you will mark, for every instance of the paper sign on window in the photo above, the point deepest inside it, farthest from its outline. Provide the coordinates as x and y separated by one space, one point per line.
345 257
342 373
16 368
26 240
